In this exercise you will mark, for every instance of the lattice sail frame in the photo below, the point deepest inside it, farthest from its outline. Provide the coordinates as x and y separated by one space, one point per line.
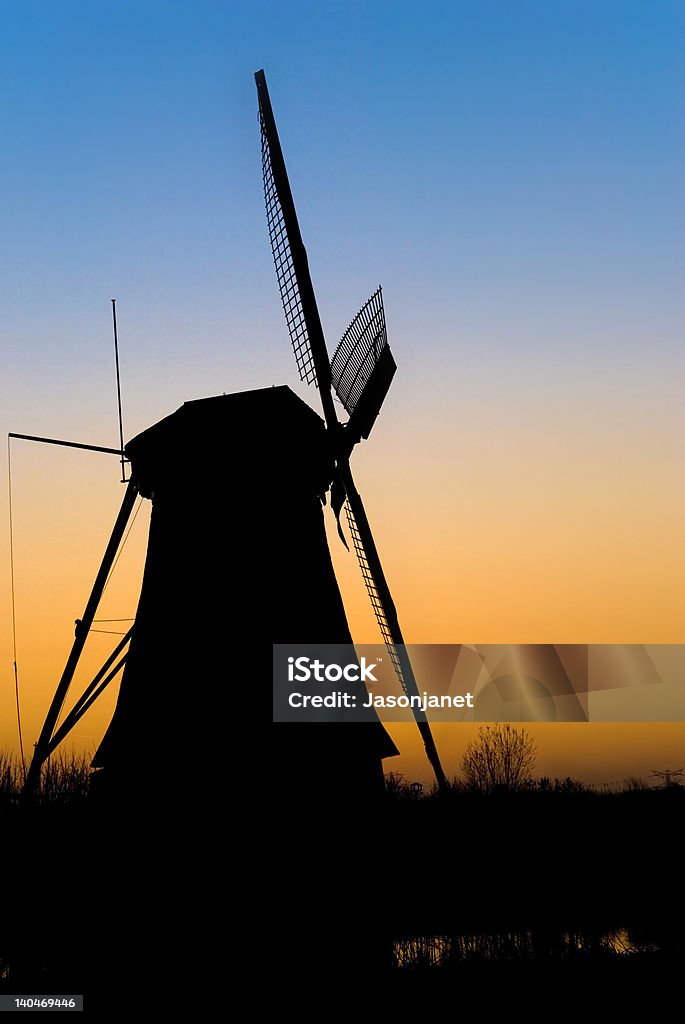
357 354
374 597
285 269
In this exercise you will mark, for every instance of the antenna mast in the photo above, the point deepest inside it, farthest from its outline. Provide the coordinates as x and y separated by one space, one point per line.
116 363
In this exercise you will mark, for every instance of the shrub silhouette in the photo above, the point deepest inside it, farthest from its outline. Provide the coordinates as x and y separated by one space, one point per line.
500 758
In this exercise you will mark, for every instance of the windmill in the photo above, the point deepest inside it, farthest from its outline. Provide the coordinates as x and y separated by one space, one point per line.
360 373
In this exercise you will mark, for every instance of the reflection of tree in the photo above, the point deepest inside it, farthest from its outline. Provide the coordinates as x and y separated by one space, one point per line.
501 757
542 944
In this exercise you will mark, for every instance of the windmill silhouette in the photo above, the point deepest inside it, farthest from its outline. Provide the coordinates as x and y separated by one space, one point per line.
273 551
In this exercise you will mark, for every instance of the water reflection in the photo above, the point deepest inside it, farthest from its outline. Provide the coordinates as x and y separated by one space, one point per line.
442 950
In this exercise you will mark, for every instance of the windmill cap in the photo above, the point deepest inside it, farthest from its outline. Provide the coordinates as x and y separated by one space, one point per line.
251 438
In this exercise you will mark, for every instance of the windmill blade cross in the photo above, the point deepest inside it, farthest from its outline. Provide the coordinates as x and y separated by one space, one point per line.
362 369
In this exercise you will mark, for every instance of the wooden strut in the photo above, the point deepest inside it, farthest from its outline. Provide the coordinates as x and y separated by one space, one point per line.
100 681
43 747
323 375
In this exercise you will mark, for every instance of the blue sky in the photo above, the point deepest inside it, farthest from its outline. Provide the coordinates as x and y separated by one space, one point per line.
509 171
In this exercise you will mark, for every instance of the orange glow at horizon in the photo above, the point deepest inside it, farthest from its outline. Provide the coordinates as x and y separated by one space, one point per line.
526 525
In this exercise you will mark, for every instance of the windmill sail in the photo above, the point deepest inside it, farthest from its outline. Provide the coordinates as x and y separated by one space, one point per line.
372 590
357 360
290 261
362 367
386 614
285 267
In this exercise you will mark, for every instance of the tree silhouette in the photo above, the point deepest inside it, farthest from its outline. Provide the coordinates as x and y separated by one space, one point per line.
501 757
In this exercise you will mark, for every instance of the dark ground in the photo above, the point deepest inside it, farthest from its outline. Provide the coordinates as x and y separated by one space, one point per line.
164 904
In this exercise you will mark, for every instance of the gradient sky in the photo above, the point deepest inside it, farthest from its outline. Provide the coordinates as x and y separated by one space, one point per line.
512 175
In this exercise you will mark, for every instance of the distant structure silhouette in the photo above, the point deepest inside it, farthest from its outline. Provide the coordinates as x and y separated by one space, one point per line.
669 776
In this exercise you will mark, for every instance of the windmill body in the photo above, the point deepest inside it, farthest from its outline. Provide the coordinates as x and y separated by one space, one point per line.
237 559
